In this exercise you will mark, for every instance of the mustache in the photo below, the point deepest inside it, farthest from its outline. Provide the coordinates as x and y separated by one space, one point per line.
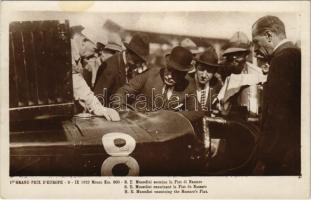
262 52
168 79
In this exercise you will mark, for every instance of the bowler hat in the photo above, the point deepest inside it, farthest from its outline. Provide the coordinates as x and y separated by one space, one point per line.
208 58
239 42
139 44
180 59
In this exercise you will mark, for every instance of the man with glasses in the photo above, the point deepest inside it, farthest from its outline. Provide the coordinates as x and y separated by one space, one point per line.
236 55
241 77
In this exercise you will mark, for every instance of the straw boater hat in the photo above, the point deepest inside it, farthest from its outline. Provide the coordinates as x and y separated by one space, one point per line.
139 44
239 42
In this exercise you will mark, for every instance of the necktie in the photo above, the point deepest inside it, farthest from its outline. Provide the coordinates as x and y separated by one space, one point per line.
128 74
203 99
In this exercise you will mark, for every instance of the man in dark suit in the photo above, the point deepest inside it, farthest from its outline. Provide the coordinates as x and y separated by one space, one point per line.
279 148
164 88
120 68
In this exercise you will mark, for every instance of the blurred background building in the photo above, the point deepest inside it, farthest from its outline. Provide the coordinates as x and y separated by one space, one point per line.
167 29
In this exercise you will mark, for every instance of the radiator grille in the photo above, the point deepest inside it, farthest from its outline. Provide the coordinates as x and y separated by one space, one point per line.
39 69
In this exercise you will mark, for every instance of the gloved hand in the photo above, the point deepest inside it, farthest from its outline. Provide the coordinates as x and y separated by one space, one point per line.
109 113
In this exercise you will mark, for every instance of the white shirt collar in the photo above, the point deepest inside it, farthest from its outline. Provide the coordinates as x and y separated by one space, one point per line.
124 57
280 43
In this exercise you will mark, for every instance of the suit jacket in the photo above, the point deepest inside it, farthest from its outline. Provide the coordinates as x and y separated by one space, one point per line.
148 87
111 77
280 142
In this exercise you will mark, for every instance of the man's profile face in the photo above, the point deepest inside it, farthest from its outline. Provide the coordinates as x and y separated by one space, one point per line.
90 64
134 60
262 42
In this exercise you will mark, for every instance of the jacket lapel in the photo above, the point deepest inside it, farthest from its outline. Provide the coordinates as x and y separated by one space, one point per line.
121 69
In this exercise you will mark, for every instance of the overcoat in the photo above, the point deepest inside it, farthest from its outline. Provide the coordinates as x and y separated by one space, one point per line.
280 141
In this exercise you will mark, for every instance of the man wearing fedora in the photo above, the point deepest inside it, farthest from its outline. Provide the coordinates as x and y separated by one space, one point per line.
165 88
119 69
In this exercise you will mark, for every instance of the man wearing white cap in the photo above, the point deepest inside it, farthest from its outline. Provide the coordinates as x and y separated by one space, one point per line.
82 48
99 40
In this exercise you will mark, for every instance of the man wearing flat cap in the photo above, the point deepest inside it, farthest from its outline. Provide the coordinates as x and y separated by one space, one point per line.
236 54
279 147
165 88
120 68
241 77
